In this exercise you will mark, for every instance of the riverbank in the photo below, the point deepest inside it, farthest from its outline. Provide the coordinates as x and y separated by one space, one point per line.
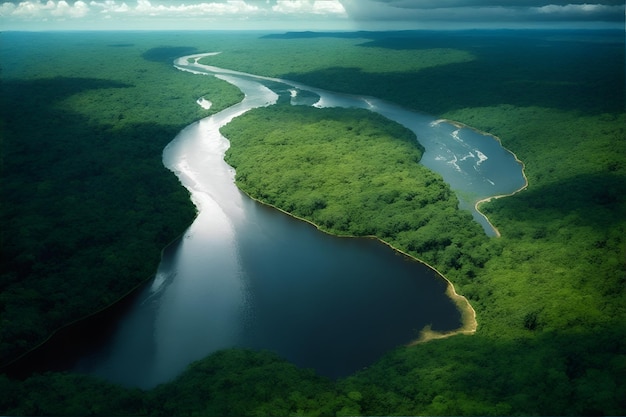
477 204
36 359
468 314
469 322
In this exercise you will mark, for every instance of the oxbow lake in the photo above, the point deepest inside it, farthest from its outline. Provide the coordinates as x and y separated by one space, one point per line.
246 275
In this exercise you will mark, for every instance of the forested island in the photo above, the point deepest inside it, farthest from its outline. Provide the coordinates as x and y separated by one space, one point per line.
87 208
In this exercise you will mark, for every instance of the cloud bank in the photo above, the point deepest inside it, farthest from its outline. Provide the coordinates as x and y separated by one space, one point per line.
484 11
224 12
305 14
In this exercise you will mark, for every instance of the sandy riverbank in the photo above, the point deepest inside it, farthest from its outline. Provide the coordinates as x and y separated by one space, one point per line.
469 324
204 103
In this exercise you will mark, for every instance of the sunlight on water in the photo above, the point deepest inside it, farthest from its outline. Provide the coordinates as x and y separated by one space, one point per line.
245 275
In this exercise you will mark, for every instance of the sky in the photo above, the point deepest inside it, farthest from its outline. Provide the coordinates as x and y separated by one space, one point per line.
321 15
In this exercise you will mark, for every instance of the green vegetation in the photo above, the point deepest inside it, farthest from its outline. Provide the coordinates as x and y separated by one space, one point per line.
228 383
549 294
438 72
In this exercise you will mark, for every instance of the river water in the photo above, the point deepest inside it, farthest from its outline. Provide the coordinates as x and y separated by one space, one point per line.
245 275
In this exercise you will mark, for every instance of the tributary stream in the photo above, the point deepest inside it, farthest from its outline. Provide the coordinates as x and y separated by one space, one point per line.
246 275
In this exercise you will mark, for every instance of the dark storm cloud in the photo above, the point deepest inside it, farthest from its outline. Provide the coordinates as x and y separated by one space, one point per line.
486 10
433 4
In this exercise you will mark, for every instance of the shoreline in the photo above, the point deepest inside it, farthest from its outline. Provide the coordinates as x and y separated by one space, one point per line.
130 293
469 324
195 58
477 204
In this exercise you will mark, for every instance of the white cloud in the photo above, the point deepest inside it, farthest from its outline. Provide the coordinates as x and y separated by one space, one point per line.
231 7
30 10
320 7
7 9
110 6
147 8
466 11
575 8
36 9
579 12
63 9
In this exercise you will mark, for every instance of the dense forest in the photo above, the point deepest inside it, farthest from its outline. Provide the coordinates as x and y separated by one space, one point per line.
87 207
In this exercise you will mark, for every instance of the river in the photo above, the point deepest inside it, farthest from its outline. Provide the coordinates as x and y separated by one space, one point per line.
246 275
475 164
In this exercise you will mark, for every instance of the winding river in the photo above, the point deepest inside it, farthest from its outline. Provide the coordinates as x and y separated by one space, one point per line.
475 164
246 275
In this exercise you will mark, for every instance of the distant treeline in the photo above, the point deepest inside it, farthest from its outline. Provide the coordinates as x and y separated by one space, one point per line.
549 294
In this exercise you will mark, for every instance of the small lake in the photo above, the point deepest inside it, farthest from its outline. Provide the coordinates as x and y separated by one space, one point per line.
246 275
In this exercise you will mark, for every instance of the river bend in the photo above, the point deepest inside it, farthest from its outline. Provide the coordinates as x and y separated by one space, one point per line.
246 275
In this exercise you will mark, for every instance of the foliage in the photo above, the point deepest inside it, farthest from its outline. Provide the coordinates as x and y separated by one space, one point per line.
241 382
438 71
557 275
232 382
56 394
